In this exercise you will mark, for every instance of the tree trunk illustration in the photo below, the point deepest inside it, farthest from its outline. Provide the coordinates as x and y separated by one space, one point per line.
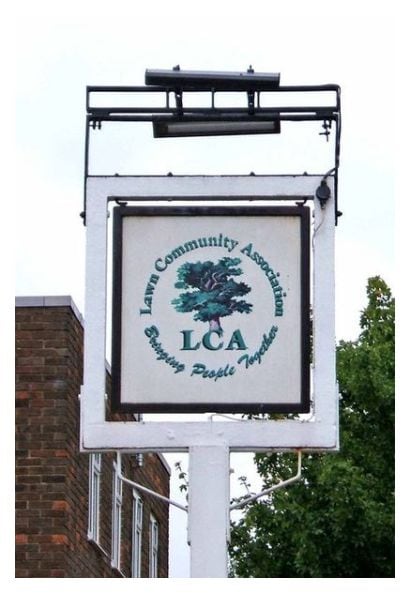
215 326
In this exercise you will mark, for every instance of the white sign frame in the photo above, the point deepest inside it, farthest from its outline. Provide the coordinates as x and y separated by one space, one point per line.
317 433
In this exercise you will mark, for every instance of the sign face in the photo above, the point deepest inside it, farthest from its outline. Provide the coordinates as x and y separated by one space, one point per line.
211 309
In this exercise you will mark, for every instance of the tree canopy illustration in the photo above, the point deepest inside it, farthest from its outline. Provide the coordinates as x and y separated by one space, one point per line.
215 293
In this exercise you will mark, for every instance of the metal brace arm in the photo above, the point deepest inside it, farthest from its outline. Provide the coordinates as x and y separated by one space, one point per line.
281 484
148 490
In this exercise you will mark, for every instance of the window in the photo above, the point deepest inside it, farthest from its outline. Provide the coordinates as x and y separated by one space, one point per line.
153 548
94 497
136 535
116 518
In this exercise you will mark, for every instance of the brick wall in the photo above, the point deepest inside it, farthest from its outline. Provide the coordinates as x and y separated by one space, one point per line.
51 476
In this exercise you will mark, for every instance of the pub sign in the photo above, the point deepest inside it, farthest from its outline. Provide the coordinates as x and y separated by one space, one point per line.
211 309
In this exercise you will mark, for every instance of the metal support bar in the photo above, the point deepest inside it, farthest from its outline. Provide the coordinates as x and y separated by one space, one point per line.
107 113
208 519
315 88
281 484
152 493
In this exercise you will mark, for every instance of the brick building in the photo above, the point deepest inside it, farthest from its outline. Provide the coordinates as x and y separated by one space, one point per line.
75 517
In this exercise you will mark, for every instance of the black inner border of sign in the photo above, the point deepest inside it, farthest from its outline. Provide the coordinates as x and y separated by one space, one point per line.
119 212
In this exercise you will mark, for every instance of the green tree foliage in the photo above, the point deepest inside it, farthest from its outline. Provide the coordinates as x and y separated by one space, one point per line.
215 292
339 520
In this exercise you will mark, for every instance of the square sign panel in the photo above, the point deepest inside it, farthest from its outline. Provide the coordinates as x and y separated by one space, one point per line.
211 309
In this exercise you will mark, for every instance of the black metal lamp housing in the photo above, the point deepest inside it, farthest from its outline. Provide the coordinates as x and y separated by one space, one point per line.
213 122
213 81
186 126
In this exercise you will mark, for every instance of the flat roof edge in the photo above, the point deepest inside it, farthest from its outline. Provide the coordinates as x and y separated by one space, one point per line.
50 301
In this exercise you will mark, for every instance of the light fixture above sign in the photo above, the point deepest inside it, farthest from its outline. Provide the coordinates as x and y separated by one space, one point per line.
228 125
213 81
214 121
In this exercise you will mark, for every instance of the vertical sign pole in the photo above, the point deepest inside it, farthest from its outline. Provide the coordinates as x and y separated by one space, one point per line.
208 518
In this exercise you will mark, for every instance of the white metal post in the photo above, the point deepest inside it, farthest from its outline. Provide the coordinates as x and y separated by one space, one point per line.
208 518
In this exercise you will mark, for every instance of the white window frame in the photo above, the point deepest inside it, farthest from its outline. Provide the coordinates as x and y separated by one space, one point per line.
94 497
116 517
137 516
153 547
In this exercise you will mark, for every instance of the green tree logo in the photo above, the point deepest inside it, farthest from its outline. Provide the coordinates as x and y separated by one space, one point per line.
215 292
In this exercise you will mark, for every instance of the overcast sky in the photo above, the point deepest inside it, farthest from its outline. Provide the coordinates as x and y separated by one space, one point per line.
60 51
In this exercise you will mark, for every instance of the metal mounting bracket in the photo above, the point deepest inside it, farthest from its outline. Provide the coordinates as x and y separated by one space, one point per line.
96 114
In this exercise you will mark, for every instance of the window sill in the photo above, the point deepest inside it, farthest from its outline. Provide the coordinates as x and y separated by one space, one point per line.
100 549
97 546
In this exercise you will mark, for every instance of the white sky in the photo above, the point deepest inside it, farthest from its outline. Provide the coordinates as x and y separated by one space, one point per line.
60 50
